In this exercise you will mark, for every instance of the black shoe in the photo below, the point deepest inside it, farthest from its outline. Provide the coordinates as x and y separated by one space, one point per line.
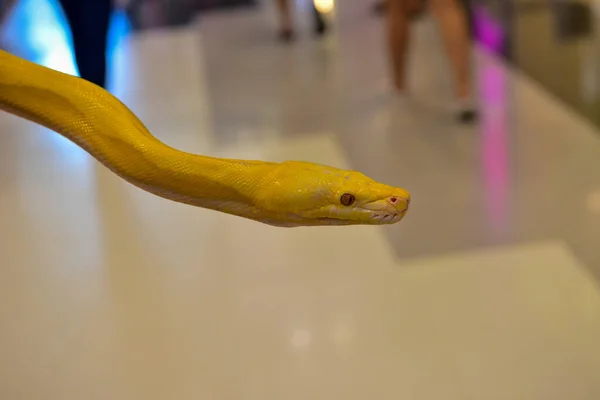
465 110
467 116
320 25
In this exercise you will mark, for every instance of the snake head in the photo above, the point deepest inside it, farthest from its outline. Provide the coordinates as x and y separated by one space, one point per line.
307 194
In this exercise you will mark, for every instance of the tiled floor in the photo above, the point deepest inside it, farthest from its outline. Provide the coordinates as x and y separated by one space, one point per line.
485 291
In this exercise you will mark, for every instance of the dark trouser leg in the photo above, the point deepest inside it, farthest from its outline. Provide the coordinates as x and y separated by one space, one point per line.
89 21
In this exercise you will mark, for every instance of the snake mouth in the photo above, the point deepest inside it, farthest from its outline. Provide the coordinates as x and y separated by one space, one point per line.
335 221
389 218
378 218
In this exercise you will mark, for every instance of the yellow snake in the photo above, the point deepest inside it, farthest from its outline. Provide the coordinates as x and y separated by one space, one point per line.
287 194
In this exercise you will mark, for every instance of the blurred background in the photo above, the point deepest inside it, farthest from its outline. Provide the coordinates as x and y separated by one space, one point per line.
488 289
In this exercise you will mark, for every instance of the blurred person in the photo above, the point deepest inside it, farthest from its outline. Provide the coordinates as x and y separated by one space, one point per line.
380 7
89 21
451 18
415 9
5 10
286 30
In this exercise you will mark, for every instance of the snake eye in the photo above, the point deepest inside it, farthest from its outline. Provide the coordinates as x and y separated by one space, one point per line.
347 199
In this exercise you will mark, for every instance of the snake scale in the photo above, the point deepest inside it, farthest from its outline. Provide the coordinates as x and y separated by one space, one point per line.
282 194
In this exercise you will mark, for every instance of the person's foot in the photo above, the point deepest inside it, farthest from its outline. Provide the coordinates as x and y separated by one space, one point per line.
399 85
286 35
465 111
380 7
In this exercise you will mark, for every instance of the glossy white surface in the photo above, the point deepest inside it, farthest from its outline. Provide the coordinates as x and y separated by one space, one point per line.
108 292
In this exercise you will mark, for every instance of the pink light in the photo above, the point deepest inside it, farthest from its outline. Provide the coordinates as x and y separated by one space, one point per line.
487 31
494 144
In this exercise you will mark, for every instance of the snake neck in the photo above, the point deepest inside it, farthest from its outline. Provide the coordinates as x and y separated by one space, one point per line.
226 185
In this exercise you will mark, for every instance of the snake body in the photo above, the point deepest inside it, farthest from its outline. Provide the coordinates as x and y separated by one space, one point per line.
286 194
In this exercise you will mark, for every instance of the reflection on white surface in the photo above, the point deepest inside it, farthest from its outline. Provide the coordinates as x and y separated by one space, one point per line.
342 335
120 28
494 144
593 202
301 338
70 152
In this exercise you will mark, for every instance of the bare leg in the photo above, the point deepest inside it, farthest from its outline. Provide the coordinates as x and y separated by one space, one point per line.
397 40
285 17
453 25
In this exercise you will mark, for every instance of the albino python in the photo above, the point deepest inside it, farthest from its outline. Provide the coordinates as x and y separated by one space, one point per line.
287 194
